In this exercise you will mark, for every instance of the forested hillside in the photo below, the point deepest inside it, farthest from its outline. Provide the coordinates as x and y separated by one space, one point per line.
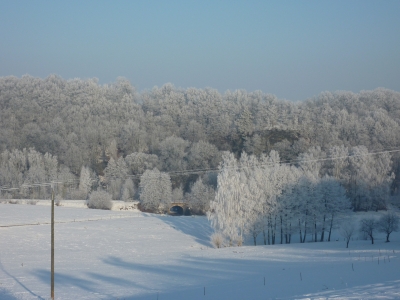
109 135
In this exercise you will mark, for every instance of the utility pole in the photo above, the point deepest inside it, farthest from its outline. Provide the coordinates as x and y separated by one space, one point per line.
52 241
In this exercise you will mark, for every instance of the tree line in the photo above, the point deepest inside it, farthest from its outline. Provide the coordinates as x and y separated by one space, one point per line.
111 136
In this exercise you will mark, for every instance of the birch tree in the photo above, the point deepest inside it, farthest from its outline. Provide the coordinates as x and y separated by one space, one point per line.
224 212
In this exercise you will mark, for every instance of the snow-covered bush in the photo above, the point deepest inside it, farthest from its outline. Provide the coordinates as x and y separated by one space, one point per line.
217 239
58 199
100 200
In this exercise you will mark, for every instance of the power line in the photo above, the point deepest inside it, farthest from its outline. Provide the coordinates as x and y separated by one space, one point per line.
288 162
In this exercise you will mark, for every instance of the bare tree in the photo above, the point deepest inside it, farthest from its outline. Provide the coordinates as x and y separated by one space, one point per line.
388 223
347 230
368 225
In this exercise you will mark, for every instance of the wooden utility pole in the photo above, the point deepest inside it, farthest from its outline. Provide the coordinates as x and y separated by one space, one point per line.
52 241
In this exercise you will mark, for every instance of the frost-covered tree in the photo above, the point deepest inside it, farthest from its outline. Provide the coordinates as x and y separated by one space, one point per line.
115 174
339 162
200 197
225 211
155 190
177 194
308 208
388 223
370 179
347 230
287 202
311 162
128 190
245 123
13 168
332 202
67 179
254 145
139 162
42 169
203 155
112 149
367 227
173 154
85 182
194 132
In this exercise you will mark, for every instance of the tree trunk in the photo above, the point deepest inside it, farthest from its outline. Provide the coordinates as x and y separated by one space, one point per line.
315 230
281 231
387 238
305 231
323 230
265 238
330 230
301 238
255 235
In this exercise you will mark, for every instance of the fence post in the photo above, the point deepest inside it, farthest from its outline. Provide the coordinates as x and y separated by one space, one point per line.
52 242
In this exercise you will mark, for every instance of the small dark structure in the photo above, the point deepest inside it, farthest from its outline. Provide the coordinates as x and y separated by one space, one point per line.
178 209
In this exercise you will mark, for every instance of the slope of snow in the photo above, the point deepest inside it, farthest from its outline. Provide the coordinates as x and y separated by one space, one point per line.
131 255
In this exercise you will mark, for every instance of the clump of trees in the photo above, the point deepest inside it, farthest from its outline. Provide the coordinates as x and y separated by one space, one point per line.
387 223
263 195
22 171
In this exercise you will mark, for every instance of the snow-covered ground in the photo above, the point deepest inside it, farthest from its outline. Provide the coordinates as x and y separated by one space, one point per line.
132 255
116 205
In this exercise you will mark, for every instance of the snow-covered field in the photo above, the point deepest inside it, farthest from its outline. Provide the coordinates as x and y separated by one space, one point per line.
133 255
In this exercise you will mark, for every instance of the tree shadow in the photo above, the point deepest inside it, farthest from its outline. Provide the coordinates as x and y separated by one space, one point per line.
17 281
195 226
6 295
224 278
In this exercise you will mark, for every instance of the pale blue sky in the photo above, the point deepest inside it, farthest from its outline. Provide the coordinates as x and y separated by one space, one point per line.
293 49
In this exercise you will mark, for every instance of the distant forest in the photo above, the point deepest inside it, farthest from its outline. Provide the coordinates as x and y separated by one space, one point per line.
56 129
